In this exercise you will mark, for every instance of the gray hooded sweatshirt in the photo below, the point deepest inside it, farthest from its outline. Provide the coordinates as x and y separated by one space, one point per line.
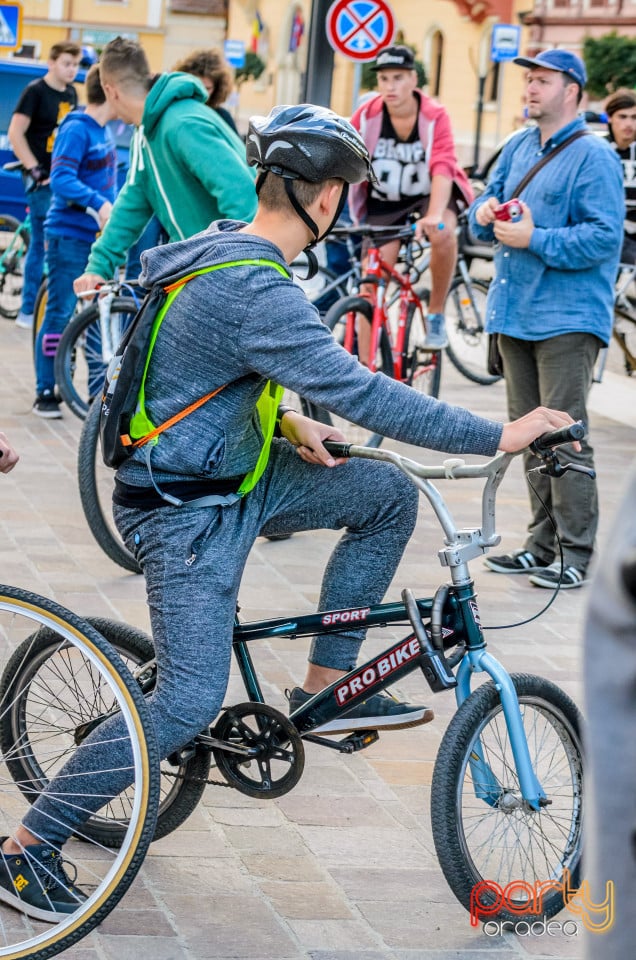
242 326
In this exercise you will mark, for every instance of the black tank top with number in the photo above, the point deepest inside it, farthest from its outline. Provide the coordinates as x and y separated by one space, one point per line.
401 168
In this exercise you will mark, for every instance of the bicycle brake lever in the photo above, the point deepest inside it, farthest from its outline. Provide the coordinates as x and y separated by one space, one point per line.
552 468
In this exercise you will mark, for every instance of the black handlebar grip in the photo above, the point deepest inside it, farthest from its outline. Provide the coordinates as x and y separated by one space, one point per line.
544 443
628 574
336 448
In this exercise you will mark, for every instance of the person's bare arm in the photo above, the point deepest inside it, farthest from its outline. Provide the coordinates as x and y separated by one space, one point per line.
18 127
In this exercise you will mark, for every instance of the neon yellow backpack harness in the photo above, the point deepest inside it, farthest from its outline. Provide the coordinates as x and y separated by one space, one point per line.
141 430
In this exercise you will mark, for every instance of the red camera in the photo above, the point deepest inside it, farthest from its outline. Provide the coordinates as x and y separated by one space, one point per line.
509 211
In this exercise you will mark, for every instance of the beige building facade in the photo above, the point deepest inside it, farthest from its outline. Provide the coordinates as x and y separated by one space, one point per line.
453 45
451 37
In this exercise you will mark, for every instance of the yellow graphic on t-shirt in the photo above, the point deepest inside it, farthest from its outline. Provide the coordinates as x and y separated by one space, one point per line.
63 108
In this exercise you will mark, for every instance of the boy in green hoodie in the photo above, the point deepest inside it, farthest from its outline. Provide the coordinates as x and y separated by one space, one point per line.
187 166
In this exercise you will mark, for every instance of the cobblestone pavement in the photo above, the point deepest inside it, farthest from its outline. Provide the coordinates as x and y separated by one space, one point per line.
343 867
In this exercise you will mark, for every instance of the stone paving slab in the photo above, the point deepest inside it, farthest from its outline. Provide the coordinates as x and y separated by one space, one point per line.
342 868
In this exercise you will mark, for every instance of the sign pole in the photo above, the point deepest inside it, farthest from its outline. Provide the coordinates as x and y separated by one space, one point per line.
319 72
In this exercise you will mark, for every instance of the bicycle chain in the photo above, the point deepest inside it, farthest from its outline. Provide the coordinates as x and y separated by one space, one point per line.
213 783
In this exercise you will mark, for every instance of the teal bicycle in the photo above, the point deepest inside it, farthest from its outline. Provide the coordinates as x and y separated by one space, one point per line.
15 236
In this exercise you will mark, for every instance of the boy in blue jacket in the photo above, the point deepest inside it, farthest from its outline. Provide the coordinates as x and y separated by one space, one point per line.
84 184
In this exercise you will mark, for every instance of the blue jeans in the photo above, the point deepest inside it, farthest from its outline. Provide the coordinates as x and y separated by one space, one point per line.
66 259
39 201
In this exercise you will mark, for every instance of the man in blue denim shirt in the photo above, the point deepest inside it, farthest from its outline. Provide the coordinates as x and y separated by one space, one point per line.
551 299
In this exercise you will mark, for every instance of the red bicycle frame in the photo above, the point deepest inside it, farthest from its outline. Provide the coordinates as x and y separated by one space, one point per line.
380 273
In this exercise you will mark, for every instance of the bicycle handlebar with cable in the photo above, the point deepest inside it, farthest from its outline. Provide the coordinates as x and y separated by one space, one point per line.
542 446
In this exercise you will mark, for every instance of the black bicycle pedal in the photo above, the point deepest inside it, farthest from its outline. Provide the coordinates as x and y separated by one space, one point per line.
358 741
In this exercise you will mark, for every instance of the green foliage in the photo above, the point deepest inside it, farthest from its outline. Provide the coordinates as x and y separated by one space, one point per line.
369 80
251 69
610 62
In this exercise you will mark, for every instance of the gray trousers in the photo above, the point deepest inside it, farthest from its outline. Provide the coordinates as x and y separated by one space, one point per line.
556 373
193 603
610 708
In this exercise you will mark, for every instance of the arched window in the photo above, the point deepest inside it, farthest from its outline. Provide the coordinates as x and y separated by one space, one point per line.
435 62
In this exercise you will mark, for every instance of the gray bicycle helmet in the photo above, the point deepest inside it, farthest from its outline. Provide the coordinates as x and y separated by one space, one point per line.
307 142
311 143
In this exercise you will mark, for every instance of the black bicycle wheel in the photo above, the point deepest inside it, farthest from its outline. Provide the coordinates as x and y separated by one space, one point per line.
14 242
336 319
86 347
482 827
96 484
624 333
103 874
467 349
421 368
36 742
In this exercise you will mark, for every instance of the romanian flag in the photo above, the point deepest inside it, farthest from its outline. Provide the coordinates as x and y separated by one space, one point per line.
257 28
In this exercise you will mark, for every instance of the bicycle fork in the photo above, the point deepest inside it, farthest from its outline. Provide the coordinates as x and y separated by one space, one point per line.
486 785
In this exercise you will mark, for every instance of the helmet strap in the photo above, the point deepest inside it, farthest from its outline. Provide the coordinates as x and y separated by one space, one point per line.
300 210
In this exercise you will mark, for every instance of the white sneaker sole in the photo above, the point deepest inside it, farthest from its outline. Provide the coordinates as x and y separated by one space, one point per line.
36 913
355 724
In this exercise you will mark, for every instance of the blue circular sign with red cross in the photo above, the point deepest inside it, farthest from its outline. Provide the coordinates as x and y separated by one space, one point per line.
359 29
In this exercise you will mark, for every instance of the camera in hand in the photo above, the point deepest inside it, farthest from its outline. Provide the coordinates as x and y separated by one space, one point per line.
511 210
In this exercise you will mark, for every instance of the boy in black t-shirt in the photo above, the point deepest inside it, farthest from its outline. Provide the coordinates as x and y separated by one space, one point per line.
41 108
621 118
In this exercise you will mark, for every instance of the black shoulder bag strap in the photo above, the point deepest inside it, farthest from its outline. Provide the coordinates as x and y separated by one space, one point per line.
549 156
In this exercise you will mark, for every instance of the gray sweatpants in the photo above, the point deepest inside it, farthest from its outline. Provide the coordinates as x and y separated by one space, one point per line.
193 604
556 373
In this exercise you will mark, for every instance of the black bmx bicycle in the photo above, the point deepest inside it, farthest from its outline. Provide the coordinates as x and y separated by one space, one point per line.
507 788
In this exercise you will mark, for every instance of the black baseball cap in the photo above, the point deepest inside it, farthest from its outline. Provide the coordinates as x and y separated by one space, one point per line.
397 57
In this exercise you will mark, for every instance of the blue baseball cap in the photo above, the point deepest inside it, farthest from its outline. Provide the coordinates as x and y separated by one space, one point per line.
564 61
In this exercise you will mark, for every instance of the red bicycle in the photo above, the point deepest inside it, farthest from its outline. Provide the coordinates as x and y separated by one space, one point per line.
393 339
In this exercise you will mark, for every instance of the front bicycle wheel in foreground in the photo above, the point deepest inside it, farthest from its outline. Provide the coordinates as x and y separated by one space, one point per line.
482 828
103 874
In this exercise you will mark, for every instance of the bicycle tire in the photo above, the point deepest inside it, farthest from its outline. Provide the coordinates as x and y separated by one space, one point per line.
14 244
624 333
39 311
336 319
421 368
80 364
553 726
104 875
32 755
467 340
96 482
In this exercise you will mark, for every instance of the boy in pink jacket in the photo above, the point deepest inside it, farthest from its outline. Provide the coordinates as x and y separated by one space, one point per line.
411 144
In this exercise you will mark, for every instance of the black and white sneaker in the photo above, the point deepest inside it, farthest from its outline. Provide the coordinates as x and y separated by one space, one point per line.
569 579
520 561
47 406
378 712
36 883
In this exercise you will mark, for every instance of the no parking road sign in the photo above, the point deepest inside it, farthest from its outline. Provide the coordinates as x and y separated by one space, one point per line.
360 28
